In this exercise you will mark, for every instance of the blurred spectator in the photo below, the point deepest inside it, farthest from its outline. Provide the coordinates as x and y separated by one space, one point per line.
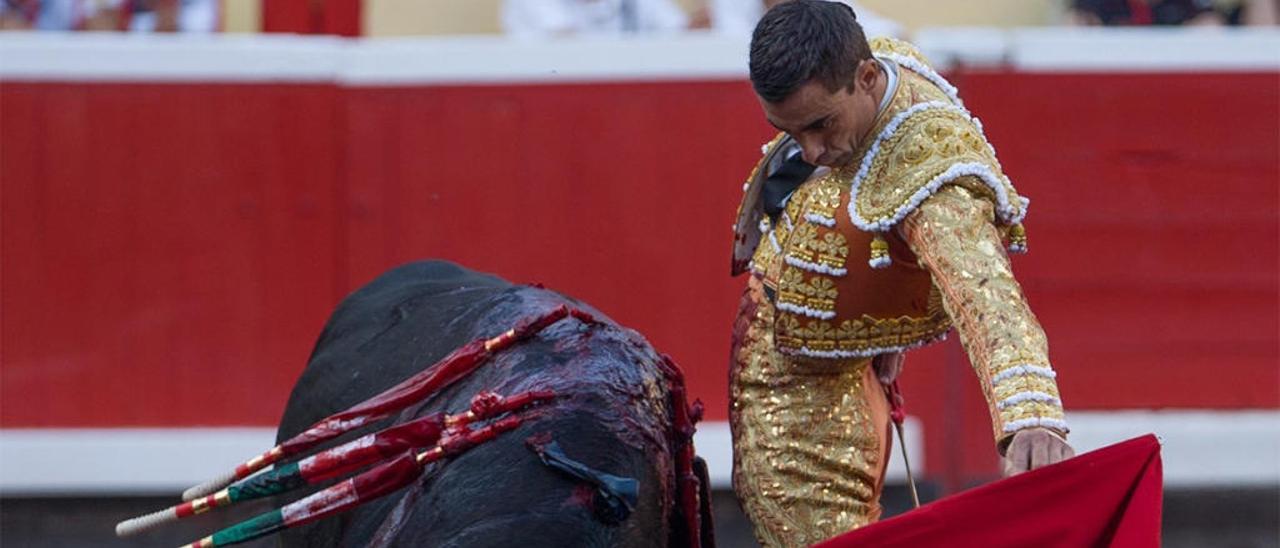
740 17
1249 12
172 15
106 15
1144 12
542 18
45 14
15 15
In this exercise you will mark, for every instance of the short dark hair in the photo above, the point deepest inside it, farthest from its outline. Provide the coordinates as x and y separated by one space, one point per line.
800 40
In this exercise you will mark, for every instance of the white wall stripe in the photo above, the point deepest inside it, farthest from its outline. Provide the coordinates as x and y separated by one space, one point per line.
108 57
1201 448
1073 49
93 57
498 59
1144 49
122 460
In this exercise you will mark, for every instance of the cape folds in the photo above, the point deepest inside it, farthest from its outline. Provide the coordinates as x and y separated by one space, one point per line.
1108 497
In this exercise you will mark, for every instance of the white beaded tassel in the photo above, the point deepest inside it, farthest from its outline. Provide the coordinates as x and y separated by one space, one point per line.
1017 239
879 252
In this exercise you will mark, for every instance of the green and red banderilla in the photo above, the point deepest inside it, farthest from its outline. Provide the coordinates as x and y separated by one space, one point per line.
456 365
376 482
411 446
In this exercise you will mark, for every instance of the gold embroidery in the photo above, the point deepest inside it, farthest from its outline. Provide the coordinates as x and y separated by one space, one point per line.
924 147
818 293
807 453
764 256
935 308
863 335
1031 410
824 198
815 245
789 286
1022 384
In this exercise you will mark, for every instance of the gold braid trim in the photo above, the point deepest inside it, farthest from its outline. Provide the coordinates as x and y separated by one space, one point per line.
930 145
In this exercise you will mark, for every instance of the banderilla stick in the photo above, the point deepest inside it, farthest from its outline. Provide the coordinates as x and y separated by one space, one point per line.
899 415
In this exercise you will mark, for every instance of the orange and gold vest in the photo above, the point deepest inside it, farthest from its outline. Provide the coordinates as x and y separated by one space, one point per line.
844 284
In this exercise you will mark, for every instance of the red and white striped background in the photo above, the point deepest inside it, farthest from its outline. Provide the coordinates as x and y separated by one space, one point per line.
179 216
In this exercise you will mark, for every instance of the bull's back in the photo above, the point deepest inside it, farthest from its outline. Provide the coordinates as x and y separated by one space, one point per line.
610 413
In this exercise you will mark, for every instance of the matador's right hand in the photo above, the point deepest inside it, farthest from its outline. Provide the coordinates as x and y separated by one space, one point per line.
1035 447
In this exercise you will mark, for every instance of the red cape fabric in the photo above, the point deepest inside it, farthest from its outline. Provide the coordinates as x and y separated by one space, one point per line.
1108 497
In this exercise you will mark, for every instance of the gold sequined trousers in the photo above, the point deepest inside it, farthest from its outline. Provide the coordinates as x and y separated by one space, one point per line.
810 436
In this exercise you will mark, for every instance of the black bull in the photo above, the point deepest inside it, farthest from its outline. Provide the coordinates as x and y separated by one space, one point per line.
613 413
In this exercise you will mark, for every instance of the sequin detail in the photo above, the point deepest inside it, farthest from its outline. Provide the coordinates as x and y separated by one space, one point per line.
809 443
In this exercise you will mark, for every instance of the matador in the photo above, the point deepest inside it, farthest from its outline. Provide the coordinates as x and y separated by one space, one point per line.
877 221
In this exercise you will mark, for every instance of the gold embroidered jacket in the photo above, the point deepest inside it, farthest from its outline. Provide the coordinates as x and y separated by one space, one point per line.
886 254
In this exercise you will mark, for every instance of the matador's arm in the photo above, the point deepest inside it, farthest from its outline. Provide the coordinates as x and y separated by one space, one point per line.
953 236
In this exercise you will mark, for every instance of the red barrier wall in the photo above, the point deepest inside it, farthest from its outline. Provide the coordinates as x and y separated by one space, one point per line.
170 251
337 17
